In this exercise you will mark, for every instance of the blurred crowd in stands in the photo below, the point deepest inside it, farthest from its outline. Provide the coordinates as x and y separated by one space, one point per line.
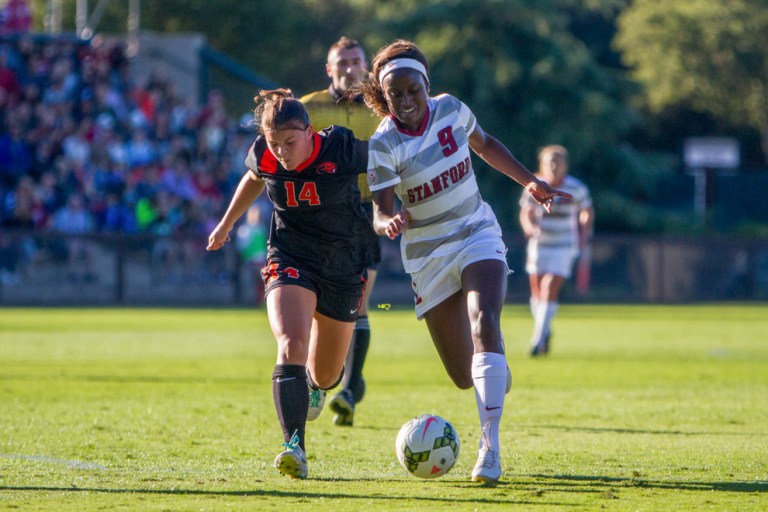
84 149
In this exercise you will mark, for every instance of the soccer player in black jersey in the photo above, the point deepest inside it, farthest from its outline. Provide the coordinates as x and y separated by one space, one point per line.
316 269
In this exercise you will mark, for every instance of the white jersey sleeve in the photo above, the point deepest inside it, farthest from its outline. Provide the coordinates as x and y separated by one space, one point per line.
382 171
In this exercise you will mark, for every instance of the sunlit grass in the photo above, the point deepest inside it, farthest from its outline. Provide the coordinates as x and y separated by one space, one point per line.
637 408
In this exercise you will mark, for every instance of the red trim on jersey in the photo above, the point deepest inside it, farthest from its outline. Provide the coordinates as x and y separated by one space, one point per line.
315 151
412 133
268 162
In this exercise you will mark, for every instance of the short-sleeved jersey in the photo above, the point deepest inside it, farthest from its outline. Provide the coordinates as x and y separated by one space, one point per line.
559 229
328 108
317 217
431 170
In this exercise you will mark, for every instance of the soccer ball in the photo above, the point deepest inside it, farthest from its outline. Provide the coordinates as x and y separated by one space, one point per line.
427 446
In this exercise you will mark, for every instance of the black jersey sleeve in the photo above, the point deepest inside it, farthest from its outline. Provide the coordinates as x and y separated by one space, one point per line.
251 162
353 150
361 155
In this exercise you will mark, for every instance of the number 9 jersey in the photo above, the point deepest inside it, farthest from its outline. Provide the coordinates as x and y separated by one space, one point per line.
318 218
432 175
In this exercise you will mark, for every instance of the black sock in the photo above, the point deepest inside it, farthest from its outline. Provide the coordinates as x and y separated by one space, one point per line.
289 392
361 340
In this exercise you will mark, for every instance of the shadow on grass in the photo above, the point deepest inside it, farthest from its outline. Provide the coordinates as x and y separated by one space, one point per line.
536 487
640 483
140 379
600 430
273 493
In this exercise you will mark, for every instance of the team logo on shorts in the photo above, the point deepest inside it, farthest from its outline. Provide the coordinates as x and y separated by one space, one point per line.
372 177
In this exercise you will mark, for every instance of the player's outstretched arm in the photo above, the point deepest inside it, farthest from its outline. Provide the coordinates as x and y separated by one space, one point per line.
249 188
500 158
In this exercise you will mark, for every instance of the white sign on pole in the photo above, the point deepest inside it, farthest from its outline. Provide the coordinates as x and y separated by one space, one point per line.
712 153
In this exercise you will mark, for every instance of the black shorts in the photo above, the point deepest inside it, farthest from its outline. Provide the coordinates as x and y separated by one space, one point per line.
371 239
339 300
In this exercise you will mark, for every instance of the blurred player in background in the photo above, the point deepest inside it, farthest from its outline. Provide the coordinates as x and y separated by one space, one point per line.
346 64
316 267
555 238
451 242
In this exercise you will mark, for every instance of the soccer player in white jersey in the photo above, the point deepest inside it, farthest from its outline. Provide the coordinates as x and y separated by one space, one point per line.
451 242
555 239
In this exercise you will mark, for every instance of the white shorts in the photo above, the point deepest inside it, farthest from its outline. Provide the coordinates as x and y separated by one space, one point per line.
441 276
550 261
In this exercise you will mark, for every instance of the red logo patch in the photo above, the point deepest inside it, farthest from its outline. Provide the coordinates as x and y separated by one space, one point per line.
326 168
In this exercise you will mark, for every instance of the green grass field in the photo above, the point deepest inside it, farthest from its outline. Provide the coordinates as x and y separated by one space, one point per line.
638 408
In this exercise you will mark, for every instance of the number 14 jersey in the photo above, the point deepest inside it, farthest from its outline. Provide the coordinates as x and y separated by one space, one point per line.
318 219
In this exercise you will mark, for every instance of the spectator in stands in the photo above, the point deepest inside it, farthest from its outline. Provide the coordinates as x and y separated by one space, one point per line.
74 220
22 207
15 156
63 83
15 18
77 145
51 196
176 177
74 123
213 123
118 217
140 148
10 87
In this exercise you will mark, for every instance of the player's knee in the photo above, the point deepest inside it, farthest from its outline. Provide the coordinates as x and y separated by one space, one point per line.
292 348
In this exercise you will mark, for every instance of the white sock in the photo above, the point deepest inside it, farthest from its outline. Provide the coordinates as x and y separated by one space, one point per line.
543 321
489 374
534 303
550 309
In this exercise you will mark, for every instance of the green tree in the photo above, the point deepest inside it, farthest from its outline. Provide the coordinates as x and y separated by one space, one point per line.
709 54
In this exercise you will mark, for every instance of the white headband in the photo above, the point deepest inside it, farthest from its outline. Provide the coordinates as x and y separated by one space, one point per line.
401 64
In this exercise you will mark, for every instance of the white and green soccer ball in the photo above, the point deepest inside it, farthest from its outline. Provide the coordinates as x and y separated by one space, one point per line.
427 446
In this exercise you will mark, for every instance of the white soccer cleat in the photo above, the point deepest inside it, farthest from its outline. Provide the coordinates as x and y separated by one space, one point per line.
293 461
487 470
316 403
